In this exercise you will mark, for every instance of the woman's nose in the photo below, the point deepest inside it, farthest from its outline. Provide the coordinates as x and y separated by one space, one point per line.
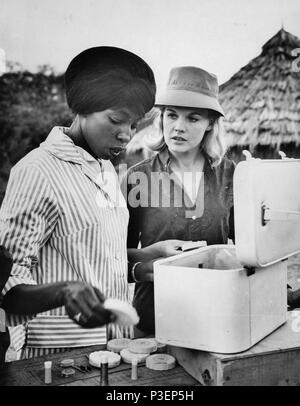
125 135
179 125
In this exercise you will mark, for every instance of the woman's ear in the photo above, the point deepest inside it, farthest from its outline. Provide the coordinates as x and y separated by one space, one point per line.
210 125
76 126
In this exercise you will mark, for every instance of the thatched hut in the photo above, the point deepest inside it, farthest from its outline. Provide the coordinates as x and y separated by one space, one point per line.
261 102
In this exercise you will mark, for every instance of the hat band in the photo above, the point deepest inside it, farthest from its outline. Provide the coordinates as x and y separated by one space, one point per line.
193 87
186 98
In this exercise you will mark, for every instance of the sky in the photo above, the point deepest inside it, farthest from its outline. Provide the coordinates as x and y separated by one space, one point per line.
220 36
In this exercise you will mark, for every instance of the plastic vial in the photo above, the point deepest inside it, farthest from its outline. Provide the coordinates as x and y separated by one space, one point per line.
104 371
134 369
48 372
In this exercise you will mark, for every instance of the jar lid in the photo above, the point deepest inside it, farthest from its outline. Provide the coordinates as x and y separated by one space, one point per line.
128 356
97 357
65 363
118 344
143 346
160 362
68 372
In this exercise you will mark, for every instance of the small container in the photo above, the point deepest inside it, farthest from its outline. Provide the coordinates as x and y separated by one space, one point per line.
104 371
67 363
134 369
48 372
66 372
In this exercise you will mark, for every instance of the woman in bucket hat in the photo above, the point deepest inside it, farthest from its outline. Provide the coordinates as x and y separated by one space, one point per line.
185 192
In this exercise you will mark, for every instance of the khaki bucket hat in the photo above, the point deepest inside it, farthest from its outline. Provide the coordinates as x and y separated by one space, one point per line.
189 86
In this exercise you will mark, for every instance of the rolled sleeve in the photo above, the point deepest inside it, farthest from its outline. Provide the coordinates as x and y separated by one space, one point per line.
28 216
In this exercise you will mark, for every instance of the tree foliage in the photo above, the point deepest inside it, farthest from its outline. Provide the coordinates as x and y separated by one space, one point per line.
30 105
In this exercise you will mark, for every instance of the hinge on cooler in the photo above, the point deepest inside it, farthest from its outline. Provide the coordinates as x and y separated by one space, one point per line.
250 270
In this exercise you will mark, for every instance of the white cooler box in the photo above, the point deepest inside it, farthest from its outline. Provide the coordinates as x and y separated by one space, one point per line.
226 298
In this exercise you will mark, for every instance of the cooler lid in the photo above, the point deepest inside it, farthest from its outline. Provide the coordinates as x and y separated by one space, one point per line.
266 210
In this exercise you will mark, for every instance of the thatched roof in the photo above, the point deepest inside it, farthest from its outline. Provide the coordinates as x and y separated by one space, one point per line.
262 100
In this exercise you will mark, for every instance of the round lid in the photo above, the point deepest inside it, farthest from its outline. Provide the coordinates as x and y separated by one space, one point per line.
118 344
128 356
160 362
67 372
97 357
69 362
143 345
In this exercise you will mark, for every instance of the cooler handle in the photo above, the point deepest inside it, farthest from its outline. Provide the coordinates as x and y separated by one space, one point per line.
278 215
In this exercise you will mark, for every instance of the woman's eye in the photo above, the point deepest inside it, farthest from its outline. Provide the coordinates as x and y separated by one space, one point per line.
193 119
172 116
114 121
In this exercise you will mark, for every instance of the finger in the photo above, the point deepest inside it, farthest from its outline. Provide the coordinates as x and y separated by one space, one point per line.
98 315
179 243
99 319
78 304
99 295
72 309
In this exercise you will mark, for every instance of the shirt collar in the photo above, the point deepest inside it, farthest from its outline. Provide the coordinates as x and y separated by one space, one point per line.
165 159
62 146
88 157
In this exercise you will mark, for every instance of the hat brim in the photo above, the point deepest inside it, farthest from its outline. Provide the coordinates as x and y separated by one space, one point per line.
185 98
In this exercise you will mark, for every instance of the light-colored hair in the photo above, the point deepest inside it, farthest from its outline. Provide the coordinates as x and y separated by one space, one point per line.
213 144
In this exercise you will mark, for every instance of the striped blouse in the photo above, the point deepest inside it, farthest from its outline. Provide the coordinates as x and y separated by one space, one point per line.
63 218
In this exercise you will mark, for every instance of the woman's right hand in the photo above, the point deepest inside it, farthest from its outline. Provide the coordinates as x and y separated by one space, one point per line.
167 248
86 301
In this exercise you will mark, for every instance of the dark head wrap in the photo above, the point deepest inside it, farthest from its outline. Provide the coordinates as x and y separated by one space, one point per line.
100 78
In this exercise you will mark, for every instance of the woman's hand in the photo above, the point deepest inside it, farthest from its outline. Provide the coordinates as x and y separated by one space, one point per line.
84 304
143 271
154 251
168 248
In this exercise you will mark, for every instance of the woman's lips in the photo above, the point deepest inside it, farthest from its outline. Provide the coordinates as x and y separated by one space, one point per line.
179 139
116 151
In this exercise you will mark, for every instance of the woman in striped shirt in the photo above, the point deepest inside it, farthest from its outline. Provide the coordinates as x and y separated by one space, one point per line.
63 217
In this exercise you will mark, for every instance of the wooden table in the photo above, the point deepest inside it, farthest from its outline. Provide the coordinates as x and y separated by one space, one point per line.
31 372
274 361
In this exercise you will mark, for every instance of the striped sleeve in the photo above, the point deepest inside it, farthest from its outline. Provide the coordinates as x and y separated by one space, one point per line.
27 217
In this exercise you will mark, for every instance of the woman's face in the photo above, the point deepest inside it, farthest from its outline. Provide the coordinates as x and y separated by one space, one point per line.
107 132
184 128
